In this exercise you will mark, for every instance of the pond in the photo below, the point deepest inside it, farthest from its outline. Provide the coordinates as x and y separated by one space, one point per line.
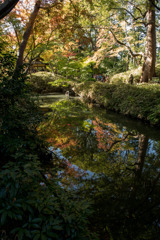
113 160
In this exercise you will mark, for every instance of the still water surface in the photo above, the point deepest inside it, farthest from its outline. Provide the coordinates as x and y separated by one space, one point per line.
113 160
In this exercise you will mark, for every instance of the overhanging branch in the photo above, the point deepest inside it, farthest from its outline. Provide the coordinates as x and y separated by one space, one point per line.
7 7
133 54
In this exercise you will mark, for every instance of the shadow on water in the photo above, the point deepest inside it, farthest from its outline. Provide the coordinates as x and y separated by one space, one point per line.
123 154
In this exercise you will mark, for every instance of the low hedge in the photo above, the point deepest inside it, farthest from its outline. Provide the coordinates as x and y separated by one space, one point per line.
138 101
46 82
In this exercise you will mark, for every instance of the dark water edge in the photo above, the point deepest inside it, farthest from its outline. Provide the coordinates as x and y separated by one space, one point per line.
124 156
153 132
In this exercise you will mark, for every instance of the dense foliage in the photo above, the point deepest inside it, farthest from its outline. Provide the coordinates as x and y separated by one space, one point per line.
35 207
80 38
19 114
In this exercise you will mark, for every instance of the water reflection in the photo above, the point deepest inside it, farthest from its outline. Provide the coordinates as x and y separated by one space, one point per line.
127 161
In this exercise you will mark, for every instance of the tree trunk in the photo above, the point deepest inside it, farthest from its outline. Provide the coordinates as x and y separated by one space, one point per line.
148 70
142 149
27 34
6 7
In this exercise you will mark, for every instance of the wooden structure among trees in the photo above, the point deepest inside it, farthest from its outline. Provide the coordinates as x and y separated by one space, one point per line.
38 65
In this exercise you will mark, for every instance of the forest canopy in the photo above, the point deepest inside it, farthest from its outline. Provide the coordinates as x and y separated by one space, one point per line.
108 35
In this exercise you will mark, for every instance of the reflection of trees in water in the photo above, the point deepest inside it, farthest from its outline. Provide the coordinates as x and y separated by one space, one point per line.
127 200
126 194
142 149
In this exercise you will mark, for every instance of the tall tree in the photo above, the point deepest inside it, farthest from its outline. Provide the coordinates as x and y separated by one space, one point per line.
148 70
143 12
46 5
27 33
134 14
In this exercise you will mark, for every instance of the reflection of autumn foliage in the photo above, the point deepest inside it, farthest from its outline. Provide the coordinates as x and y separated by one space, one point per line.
64 142
59 135
62 135
107 134
71 174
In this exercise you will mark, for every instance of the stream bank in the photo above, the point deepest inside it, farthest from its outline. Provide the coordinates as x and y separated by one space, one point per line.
136 101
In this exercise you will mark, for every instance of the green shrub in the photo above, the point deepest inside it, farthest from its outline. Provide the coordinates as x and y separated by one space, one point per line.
39 82
19 116
123 77
34 207
62 84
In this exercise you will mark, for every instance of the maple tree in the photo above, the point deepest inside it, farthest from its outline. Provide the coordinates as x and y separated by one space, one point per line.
27 17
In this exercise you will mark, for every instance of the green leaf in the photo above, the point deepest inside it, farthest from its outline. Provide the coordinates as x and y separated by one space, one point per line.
19 217
35 225
14 230
21 234
2 193
51 234
37 236
3 218
36 220
56 227
44 237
